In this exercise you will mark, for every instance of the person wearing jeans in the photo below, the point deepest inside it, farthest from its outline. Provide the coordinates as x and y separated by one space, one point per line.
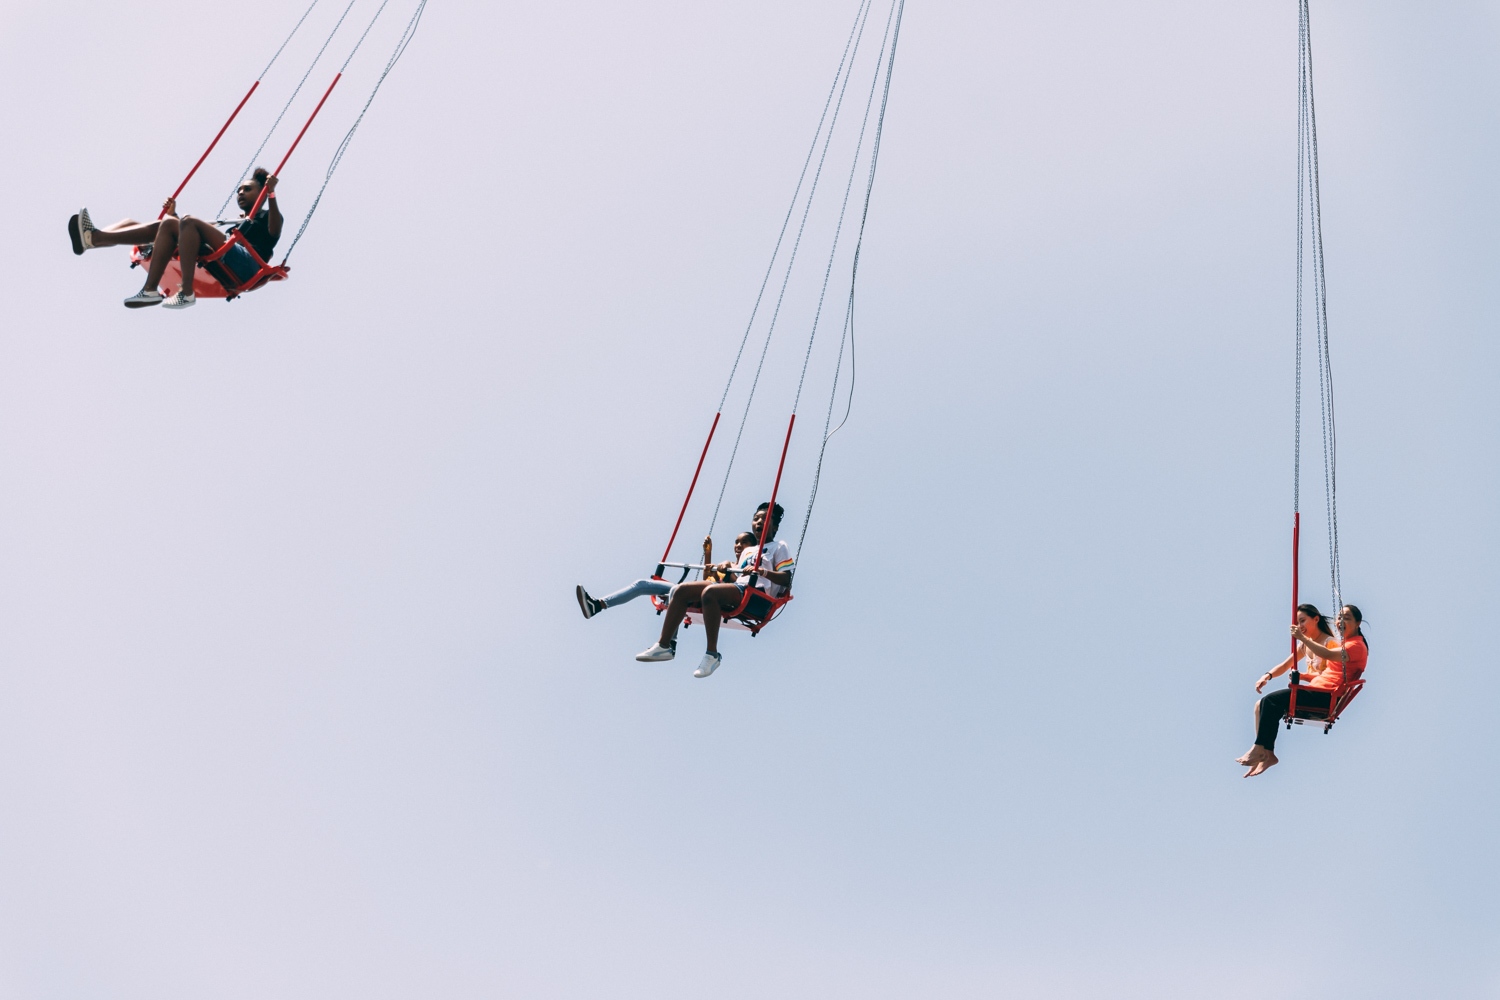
591 606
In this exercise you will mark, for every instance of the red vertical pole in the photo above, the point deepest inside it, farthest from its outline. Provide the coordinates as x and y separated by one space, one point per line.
1291 709
211 145
691 486
277 172
765 524
1296 538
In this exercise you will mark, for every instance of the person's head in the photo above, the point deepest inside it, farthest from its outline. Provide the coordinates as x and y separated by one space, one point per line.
743 541
1351 622
1313 620
250 189
758 521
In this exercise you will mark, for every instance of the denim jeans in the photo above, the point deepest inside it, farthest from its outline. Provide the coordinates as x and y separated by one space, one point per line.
640 588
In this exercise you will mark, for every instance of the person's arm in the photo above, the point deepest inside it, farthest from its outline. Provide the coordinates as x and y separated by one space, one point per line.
1273 673
273 220
1319 650
780 579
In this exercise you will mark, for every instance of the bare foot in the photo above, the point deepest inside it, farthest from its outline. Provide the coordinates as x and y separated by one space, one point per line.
1262 761
1247 757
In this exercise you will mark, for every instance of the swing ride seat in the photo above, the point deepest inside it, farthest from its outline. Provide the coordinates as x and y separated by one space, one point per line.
231 270
754 612
235 267
1342 696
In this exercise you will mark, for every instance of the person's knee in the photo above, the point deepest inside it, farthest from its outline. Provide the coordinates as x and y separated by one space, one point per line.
168 225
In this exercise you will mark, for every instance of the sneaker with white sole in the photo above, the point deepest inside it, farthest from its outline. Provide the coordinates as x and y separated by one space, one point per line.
81 231
144 297
180 301
656 654
710 663
591 606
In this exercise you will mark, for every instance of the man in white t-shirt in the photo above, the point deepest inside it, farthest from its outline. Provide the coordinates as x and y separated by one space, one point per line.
771 566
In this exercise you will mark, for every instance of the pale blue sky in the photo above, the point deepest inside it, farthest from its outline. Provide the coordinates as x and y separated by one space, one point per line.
294 698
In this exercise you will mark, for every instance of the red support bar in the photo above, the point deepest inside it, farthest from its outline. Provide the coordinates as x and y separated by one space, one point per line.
691 486
277 172
211 145
1296 534
765 524
1291 708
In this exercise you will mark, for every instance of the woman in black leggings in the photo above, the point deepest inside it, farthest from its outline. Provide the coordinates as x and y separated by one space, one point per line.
1315 689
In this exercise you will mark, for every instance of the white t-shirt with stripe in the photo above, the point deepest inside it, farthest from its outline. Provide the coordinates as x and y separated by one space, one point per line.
778 557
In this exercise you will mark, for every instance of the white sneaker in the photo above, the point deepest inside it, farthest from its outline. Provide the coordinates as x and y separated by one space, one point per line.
710 663
144 297
656 654
180 301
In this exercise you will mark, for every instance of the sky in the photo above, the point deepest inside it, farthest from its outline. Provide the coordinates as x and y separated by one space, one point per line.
295 699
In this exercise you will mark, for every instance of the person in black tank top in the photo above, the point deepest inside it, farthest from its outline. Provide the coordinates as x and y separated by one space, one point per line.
188 237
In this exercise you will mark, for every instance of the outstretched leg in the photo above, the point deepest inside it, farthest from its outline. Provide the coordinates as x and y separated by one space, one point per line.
126 232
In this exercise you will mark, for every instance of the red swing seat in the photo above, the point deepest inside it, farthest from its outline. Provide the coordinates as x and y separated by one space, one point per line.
214 277
755 611
1339 700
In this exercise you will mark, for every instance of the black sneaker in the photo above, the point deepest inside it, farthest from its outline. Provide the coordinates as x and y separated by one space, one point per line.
590 606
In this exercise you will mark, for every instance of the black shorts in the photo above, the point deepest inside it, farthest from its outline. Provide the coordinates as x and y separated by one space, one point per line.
759 605
238 262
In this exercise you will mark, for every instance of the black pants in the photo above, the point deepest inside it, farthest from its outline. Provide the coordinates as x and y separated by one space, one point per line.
1311 702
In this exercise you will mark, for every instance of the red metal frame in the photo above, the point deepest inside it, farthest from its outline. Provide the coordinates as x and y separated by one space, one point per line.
736 618
1293 683
691 487
1340 699
208 281
222 129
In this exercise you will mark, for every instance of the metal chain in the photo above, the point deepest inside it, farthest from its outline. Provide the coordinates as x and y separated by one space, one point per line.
861 19
898 8
1301 225
288 40
838 228
796 192
401 44
1311 203
285 107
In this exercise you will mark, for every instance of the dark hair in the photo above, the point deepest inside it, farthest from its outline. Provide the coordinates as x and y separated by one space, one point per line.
748 537
775 514
260 176
1311 611
1359 621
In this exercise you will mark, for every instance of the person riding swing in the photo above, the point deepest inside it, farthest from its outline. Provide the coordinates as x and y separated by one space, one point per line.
1341 660
189 237
771 566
